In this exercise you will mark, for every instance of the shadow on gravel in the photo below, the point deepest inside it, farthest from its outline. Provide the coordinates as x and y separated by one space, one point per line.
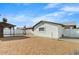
13 38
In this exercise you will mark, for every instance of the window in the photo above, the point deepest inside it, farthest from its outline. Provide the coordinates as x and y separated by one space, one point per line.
41 29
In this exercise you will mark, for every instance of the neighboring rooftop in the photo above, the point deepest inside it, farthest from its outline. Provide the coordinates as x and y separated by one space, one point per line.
70 23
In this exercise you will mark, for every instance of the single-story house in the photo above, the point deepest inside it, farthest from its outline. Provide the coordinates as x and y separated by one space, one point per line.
49 29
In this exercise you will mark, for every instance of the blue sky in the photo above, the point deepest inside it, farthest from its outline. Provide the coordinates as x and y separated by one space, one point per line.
28 14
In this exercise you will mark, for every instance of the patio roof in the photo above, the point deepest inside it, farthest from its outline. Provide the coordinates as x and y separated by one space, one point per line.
6 25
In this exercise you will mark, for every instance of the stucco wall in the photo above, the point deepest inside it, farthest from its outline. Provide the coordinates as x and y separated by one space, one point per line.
71 33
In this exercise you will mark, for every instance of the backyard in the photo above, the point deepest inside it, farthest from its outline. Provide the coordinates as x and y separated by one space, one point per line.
36 46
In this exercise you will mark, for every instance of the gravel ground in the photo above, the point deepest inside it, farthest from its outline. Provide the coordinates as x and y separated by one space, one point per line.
71 40
36 46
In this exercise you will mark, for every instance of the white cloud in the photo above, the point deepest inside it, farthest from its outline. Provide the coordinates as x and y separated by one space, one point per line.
70 13
24 18
51 5
49 17
58 14
20 18
37 19
55 17
70 8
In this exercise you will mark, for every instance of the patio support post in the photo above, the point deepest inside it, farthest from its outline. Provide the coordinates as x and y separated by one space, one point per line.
1 33
13 31
10 31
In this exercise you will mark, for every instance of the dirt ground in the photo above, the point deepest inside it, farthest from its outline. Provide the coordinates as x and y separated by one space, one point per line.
36 46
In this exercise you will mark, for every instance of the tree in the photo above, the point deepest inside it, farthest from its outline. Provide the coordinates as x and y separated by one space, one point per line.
5 20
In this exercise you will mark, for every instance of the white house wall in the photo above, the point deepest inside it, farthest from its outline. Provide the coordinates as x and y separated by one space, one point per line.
41 33
51 30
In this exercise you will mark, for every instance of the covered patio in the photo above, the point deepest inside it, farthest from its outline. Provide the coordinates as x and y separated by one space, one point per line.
3 25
